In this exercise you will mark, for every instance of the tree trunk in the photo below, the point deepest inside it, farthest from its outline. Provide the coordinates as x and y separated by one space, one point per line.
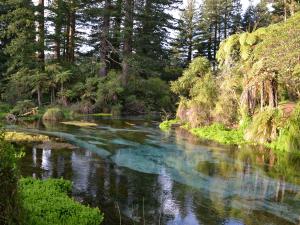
127 42
39 96
116 36
215 40
190 50
71 36
273 98
209 47
58 28
41 32
67 40
52 95
225 20
104 35
262 96
285 9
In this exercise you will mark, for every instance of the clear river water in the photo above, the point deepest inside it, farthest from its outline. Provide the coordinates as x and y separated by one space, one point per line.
137 174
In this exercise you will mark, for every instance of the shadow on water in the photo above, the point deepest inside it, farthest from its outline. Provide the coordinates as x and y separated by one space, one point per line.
168 178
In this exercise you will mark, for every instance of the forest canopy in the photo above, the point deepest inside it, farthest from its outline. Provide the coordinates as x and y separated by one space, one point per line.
113 55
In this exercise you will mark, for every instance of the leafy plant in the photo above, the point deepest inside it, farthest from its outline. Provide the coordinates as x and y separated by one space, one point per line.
47 203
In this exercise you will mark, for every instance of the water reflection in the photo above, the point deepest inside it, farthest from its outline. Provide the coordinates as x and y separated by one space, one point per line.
154 178
46 163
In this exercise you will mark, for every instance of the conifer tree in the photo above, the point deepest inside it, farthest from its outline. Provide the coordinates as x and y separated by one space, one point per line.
187 31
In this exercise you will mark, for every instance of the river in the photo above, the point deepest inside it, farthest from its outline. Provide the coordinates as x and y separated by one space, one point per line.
137 174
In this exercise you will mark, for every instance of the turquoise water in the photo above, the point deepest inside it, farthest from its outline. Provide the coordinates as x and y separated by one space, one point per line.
152 177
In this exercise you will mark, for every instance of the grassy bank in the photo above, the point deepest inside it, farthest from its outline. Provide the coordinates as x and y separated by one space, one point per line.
167 124
286 140
219 133
215 132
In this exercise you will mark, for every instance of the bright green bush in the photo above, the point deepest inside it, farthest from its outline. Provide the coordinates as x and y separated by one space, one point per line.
167 124
54 114
197 68
47 203
218 132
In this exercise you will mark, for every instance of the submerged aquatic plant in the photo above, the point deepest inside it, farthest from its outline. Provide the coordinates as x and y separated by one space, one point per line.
14 136
80 123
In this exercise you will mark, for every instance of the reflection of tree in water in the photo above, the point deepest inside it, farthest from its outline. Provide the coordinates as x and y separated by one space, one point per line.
244 180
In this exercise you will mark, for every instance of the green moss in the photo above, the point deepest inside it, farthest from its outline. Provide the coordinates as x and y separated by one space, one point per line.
218 132
47 203
167 124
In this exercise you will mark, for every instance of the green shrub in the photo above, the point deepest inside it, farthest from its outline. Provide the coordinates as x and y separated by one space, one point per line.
134 105
167 124
116 110
263 128
22 107
289 138
54 114
109 91
197 68
47 203
9 203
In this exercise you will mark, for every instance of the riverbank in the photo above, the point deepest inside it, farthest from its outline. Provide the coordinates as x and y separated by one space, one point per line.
32 201
224 135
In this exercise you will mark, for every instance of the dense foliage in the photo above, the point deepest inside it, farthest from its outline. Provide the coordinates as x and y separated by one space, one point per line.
256 87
